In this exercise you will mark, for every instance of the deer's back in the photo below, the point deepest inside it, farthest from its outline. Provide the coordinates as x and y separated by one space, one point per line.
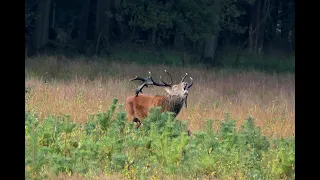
139 106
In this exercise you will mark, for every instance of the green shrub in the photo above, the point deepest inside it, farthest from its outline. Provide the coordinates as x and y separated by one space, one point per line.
161 147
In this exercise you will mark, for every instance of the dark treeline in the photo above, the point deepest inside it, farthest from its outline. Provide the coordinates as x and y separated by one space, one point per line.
194 26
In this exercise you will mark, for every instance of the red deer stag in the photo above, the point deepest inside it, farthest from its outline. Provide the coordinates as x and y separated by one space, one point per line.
138 106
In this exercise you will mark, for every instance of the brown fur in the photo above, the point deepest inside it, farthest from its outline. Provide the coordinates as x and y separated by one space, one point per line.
138 107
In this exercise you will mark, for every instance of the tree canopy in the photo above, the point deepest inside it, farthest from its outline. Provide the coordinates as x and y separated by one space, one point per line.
199 26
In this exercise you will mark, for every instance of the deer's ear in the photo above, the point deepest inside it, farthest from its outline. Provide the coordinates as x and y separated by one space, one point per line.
168 90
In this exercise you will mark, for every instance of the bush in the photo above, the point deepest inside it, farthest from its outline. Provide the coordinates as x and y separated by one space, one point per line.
160 148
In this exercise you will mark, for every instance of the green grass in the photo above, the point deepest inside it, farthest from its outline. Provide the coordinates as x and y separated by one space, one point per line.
267 63
226 58
160 149
273 62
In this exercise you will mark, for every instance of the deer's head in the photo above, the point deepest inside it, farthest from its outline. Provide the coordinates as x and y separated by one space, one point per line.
176 91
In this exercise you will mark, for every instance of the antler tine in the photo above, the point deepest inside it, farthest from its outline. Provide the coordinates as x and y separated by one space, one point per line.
137 78
169 75
184 77
139 89
146 81
191 83
170 79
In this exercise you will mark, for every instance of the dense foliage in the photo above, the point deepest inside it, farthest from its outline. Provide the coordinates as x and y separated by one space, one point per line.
161 148
195 27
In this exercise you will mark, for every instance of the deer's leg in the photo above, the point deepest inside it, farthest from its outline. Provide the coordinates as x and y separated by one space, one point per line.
189 132
136 120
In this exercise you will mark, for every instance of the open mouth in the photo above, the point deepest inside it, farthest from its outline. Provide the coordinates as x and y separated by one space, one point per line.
185 86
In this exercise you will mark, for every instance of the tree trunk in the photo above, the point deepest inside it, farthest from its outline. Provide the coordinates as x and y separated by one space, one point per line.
258 25
83 24
210 46
178 45
124 29
40 34
293 33
284 20
211 41
152 36
262 26
285 25
251 37
178 42
293 39
121 26
254 26
53 16
102 22
274 22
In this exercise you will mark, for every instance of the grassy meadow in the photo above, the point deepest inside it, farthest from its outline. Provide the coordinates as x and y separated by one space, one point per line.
81 87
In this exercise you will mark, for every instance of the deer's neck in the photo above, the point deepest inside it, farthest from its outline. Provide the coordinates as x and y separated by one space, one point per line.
173 103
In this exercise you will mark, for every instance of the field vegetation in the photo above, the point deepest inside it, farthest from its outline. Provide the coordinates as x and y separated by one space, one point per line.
242 121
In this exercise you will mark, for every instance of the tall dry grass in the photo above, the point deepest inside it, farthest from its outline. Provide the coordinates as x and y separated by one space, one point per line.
82 87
